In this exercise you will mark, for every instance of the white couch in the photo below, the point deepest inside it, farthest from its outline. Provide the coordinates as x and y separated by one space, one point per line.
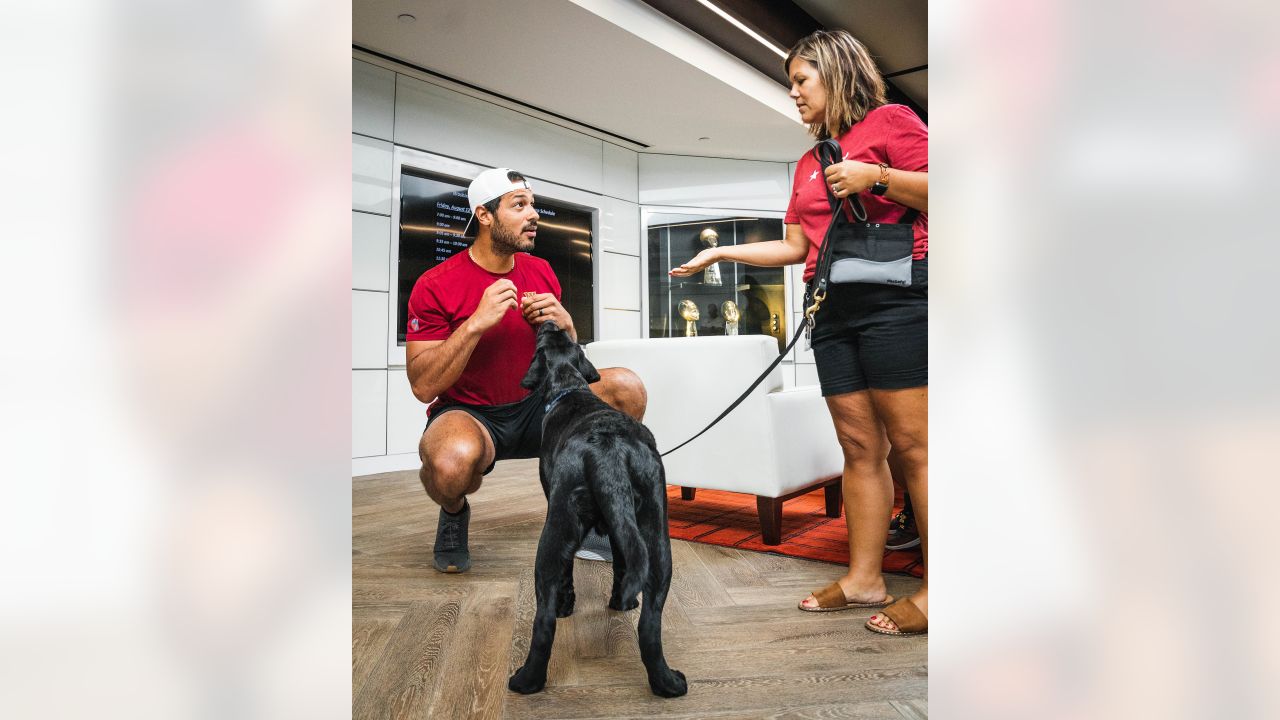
776 445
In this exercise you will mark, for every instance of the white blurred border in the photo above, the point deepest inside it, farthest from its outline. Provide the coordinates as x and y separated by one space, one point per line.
176 390
1103 359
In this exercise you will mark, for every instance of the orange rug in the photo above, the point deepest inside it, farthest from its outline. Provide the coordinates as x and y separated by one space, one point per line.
729 519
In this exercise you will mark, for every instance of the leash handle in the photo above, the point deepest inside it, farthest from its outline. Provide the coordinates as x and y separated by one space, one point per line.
799 331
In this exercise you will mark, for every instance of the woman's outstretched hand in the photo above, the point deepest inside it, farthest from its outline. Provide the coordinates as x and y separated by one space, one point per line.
699 262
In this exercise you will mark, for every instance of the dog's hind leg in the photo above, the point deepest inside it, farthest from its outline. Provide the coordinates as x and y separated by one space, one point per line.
555 554
663 681
565 600
652 520
618 599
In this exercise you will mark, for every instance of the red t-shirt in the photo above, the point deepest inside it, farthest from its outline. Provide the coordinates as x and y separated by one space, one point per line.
447 294
890 134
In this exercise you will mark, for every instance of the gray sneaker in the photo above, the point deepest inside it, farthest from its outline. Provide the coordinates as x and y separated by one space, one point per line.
451 555
595 547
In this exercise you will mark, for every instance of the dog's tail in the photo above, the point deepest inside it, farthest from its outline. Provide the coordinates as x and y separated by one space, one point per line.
619 510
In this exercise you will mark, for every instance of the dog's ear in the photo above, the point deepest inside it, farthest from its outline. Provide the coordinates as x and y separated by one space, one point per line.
537 370
585 368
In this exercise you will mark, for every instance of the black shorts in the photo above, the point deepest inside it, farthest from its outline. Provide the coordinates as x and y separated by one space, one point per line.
874 336
516 429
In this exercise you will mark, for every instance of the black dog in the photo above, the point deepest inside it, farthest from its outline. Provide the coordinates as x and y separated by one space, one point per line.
599 468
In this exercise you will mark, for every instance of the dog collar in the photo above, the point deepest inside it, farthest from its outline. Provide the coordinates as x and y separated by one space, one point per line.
552 403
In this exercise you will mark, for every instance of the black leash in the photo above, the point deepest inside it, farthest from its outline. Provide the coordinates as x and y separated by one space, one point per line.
828 153
799 331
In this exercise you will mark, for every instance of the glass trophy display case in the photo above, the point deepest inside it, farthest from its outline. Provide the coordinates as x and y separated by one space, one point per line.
724 299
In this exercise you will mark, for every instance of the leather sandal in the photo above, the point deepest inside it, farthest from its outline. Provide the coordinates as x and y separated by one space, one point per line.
831 599
906 616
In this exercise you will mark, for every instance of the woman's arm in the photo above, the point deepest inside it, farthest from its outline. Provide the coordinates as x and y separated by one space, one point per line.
905 188
792 249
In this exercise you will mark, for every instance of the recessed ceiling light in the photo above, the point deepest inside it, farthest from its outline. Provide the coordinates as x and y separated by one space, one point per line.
406 18
738 24
704 138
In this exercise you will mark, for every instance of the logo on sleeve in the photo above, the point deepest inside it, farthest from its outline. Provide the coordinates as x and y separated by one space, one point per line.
813 176
413 324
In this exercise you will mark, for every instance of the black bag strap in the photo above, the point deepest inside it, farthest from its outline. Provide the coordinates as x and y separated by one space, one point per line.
828 152
743 396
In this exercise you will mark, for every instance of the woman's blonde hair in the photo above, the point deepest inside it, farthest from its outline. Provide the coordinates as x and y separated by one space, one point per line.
853 83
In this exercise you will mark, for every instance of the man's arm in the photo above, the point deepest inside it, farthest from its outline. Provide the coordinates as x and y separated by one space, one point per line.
434 366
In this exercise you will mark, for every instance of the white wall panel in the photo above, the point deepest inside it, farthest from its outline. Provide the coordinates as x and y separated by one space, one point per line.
796 275
799 354
713 182
406 417
368 412
621 167
621 325
806 375
619 281
432 118
370 251
370 175
788 375
619 227
368 329
373 99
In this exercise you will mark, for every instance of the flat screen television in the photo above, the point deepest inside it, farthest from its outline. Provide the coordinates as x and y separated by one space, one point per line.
433 214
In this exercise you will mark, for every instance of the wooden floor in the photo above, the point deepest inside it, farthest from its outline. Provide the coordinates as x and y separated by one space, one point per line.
425 644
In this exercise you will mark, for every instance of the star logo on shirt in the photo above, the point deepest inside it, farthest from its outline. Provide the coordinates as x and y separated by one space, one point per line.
814 175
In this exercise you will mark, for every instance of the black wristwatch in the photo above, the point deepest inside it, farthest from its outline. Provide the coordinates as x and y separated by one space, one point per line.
882 185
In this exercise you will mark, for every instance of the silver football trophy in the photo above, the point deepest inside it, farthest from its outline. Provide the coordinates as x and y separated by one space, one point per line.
711 276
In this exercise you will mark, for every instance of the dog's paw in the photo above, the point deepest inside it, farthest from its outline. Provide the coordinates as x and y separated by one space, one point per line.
527 682
631 603
671 684
564 605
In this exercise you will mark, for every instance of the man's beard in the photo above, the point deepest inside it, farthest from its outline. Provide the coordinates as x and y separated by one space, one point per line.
510 243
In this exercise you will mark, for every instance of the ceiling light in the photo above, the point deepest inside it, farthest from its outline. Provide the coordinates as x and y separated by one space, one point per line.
734 21
406 18
704 138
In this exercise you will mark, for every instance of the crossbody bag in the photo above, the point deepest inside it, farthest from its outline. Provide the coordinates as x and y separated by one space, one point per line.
855 250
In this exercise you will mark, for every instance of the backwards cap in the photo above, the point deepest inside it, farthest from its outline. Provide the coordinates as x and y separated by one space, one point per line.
488 185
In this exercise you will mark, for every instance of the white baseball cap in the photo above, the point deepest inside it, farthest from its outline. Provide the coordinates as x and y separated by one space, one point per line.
488 185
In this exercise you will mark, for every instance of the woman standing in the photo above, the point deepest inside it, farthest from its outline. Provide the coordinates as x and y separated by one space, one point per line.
870 342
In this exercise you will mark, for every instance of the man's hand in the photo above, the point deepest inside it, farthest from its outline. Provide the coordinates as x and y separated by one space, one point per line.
498 298
541 307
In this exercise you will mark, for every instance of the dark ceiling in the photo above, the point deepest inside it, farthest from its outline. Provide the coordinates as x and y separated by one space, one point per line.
900 26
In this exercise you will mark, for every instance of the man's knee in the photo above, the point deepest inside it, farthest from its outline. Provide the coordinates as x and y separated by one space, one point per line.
624 390
451 469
